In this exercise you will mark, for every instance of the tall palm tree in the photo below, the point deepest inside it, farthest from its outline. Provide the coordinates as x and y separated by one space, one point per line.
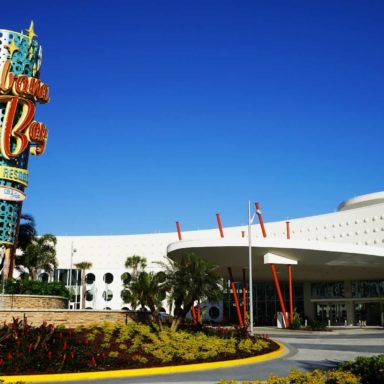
26 231
136 263
130 296
83 266
188 279
41 254
148 290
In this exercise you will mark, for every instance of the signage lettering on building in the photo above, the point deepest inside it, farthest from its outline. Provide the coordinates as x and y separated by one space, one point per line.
21 91
18 175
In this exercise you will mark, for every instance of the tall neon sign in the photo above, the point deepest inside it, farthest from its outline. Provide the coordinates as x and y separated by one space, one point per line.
20 134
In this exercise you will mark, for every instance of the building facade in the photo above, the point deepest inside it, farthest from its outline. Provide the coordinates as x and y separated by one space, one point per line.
337 264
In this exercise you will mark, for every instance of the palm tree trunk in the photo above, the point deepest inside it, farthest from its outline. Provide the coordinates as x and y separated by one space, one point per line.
7 261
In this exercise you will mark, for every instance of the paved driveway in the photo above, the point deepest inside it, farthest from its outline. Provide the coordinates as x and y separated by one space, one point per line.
305 351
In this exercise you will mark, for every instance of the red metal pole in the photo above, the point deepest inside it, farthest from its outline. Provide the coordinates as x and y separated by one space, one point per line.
244 299
178 230
219 224
277 285
198 313
260 216
290 293
288 230
193 311
235 297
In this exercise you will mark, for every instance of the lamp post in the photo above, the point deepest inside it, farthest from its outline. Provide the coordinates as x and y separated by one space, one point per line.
250 221
73 250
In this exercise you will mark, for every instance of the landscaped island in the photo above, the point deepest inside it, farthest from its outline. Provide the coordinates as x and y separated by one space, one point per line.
107 346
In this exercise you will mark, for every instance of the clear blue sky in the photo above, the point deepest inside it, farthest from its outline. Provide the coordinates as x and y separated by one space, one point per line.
175 110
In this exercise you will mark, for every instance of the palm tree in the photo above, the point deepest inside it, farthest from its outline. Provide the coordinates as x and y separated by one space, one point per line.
148 290
41 254
26 231
188 279
131 296
83 266
136 263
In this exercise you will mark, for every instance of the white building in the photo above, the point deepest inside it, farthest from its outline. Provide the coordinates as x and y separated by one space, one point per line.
337 258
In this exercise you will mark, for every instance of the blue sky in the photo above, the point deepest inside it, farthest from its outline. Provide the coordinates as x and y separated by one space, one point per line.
175 110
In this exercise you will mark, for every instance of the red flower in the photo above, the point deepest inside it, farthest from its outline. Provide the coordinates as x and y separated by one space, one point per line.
30 347
49 354
72 354
63 359
93 361
9 356
65 345
1 362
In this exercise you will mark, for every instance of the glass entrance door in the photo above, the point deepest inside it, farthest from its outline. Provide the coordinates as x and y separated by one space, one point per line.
334 312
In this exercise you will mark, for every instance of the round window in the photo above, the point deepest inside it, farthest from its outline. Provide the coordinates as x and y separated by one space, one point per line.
107 295
108 278
88 295
90 278
214 312
126 278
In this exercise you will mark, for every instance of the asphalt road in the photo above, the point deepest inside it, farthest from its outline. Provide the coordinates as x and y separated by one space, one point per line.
305 351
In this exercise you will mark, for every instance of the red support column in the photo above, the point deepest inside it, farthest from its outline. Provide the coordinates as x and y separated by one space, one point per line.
290 293
219 224
193 311
198 313
244 299
235 297
288 230
178 230
260 216
277 285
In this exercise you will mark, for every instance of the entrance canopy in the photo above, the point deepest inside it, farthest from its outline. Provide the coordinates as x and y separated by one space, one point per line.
316 260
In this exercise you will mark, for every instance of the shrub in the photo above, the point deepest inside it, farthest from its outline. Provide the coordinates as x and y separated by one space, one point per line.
296 322
32 287
298 377
370 369
47 349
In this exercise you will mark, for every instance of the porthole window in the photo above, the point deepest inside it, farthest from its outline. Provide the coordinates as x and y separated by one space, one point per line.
107 295
126 278
43 276
125 309
108 278
106 308
88 295
90 278
214 312
88 308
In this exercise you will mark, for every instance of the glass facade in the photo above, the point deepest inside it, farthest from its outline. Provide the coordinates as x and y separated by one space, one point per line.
265 302
369 289
328 290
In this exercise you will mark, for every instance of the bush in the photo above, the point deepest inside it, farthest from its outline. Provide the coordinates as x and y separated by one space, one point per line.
370 369
296 323
47 349
298 377
31 287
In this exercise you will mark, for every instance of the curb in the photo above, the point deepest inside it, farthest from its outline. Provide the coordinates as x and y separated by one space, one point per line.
57 377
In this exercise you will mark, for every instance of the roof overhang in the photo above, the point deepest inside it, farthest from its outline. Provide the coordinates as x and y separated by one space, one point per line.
316 260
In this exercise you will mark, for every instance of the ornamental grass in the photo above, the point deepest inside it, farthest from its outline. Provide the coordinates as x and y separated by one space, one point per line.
48 349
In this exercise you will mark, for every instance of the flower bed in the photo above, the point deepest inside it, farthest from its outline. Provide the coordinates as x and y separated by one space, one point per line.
107 346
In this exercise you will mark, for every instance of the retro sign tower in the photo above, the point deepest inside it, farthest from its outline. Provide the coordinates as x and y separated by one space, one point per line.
20 134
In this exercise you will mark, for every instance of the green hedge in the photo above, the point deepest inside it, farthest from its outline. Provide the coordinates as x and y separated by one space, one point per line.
30 287
370 369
